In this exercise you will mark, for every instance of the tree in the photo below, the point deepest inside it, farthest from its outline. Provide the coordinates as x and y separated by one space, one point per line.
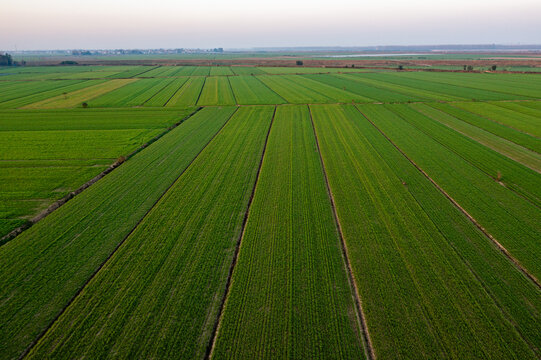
493 67
300 63
400 67
470 68
6 59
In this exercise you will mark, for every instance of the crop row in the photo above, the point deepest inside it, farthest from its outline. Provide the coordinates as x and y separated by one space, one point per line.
77 97
45 267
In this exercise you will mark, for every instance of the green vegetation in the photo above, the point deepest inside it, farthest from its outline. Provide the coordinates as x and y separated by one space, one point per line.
164 96
50 153
423 289
528 124
513 151
134 94
250 90
217 91
42 269
493 127
188 94
75 98
290 261
269 212
513 220
176 262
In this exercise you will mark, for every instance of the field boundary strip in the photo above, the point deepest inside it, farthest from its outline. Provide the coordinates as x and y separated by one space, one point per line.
93 275
212 342
500 247
361 318
57 204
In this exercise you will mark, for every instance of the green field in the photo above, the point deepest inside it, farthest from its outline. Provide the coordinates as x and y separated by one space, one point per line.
269 213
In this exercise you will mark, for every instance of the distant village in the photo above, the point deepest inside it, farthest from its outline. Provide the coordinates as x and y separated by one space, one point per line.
105 52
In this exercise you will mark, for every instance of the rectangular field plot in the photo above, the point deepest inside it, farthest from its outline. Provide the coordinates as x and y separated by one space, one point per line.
136 93
21 94
217 91
176 262
17 89
369 93
166 94
50 153
375 81
42 268
430 283
77 97
188 94
287 88
509 86
464 91
290 261
249 90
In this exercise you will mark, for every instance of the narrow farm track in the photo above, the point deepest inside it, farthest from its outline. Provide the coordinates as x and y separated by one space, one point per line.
368 347
458 206
212 341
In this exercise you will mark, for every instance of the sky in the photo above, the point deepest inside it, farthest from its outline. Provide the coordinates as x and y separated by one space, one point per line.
106 24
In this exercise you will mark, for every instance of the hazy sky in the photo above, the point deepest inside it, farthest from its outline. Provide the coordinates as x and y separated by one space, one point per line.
67 24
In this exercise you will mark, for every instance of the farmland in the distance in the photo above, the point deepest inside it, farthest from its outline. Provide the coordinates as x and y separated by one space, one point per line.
269 212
